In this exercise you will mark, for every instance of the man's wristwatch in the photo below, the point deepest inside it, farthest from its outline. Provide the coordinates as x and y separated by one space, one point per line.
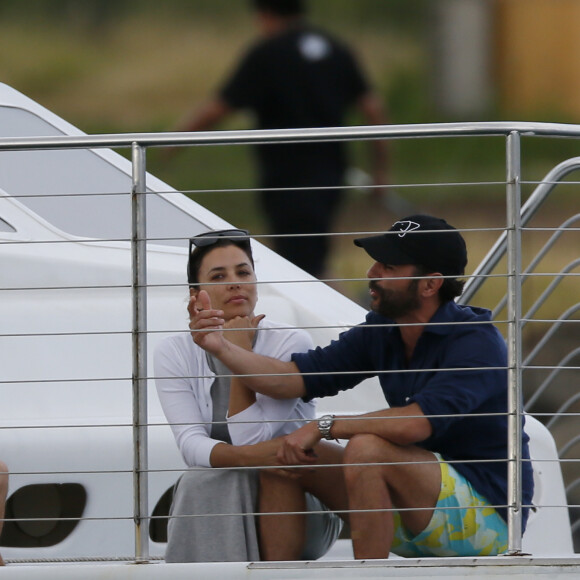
325 424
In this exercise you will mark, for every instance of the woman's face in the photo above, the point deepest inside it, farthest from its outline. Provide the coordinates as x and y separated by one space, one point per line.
227 275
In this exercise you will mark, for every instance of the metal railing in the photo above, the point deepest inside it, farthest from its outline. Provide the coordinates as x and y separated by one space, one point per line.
508 244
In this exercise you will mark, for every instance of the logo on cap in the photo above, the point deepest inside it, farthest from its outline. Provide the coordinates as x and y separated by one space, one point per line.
404 227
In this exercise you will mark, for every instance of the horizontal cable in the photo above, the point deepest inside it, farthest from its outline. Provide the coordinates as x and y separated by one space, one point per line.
196 191
269 467
369 373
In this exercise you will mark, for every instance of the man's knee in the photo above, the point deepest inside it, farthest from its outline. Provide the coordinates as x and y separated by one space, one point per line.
362 456
366 454
367 448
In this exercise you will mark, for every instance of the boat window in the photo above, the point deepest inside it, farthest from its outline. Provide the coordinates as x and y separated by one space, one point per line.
5 226
58 507
160 517
78 191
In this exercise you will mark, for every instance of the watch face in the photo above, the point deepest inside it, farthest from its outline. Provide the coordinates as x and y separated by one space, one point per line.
324 426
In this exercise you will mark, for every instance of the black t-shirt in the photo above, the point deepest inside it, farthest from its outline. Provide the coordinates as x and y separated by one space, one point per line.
302 77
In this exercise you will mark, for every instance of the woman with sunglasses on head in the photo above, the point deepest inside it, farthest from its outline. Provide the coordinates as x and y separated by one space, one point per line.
219 423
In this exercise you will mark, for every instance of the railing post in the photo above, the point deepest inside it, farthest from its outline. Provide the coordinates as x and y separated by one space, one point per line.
514 309
139 377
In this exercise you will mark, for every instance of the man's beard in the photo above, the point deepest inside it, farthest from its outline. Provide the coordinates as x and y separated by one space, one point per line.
396 303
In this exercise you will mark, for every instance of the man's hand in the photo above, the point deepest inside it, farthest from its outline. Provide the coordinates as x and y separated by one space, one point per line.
298 447
206 325
269 376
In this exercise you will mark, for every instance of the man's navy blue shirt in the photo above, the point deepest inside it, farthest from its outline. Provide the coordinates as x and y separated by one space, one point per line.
459 367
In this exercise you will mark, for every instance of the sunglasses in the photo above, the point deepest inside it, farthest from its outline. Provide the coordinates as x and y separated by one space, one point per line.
211 238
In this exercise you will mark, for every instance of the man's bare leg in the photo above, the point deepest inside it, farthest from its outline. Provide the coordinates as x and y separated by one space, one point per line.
3 494
382 487
282 536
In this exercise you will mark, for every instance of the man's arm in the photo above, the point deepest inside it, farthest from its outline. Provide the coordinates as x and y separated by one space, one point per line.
269 376
400 425
243 335
209 115
262 374
204 119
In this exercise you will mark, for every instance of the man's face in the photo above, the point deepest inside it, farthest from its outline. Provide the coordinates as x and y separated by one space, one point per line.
393 296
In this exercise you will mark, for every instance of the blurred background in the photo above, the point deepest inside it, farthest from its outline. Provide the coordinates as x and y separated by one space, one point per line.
111 66
144 65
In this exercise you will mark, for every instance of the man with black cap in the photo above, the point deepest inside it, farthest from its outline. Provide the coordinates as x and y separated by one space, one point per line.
428 475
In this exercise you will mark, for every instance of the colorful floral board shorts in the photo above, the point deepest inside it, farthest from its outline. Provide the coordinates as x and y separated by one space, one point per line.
463 524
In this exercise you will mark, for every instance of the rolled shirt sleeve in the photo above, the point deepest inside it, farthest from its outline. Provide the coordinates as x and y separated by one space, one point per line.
337 367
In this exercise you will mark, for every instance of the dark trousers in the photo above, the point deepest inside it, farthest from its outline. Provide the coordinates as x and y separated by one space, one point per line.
302 212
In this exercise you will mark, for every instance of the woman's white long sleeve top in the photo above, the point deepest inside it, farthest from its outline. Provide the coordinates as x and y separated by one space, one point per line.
183 379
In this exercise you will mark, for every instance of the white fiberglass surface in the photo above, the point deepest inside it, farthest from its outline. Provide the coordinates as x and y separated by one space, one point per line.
5 226
80 192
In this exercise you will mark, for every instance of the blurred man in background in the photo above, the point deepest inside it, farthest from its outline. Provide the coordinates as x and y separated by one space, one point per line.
297 76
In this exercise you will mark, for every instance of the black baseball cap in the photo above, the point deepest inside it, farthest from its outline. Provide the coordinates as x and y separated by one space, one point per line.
422 240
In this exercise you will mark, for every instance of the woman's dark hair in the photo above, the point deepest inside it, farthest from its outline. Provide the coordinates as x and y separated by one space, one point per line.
197 255
280 7
451 287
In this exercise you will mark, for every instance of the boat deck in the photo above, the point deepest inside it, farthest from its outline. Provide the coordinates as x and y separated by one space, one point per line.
498 567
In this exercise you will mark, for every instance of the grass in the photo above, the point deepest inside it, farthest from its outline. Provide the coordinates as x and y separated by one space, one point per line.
148 69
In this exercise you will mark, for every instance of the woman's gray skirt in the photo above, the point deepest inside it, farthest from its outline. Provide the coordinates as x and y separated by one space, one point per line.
232 538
